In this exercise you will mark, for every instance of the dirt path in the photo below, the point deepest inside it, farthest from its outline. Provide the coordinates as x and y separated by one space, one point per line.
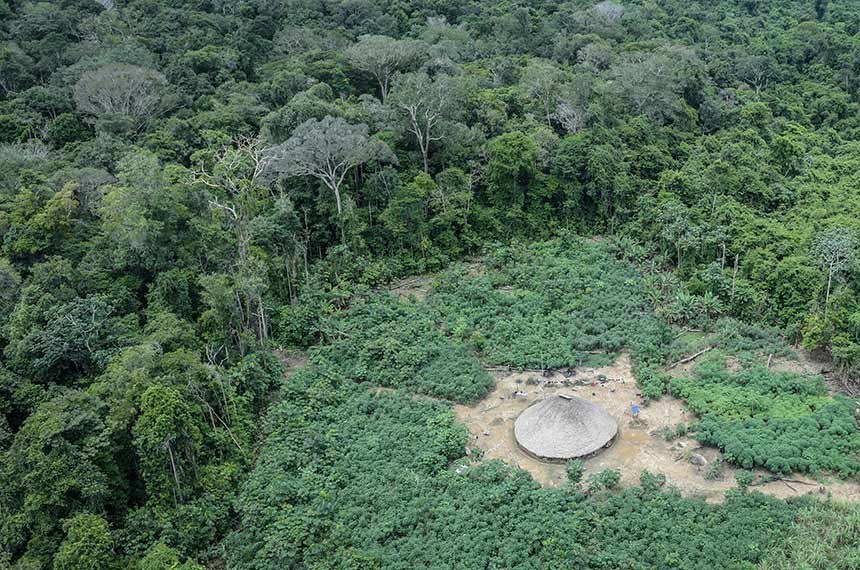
639 445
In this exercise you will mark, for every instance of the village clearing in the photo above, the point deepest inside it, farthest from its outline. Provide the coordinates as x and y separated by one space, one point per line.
641 443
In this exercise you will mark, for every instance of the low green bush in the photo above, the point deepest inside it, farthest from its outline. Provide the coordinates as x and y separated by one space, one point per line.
564 302
780 421
361 479
397 344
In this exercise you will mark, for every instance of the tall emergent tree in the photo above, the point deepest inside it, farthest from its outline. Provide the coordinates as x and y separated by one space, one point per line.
383 57
542 80
121 89
572 108
426 104
835 250
327 150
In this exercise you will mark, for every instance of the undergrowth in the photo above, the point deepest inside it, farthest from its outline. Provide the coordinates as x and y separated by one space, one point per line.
397 344
825 536
368 479
778 420
565 302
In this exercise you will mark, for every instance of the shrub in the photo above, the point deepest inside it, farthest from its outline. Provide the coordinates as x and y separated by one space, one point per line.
559 303
744 479
393 343
575 469
652 381
715 470
780 421
606 479
651 481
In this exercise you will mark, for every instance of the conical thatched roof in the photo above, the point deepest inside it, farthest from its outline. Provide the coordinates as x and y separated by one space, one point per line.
564 427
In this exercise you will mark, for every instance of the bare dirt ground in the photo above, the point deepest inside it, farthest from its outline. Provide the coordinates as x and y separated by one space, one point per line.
803 362
291 361
416 286
639 445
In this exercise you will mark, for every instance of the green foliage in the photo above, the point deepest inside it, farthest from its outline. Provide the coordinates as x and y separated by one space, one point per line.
88 544
744 479
651 482
574 469
824 536
352 474
397 344
715 471
163 557
548 305
652 381
511 171
166 439
606 479
782 421
152 256
60 462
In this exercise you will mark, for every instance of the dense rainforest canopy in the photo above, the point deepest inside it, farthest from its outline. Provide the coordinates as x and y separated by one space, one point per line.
186 188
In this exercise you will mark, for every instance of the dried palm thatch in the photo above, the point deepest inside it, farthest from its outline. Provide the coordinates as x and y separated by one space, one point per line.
563 427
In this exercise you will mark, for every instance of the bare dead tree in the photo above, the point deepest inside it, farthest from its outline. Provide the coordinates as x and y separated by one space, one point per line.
120 88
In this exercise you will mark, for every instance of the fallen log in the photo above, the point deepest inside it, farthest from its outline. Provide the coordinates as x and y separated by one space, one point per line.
689 358
798 481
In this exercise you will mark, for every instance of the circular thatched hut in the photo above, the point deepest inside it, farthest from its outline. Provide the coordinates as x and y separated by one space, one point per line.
563 427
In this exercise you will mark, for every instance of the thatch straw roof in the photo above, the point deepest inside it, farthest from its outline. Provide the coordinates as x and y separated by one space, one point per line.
564 427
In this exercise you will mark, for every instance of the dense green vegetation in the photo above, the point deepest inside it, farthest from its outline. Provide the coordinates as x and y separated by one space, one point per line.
782 421
185 186
399 345
363 479
560 303
823 537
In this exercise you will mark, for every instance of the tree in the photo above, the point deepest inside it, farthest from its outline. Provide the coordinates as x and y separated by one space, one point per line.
542 81
383 57
60 462
510 171
142 217
10 286
756 70
652 83
677 228
451 198
234 178
327 150
427 104
54 333
406 214
120 89
88 544
167 440
834 250
595 170
572 108
313 103
279 231
163 557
